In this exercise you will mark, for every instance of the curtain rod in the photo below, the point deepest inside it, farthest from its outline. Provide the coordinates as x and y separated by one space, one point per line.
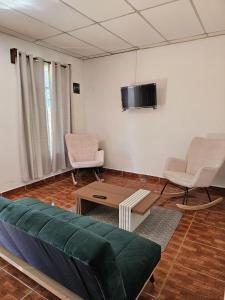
13 55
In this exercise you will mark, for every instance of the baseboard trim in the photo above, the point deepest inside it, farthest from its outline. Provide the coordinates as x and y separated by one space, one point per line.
34 183
45 281
131 175
135 175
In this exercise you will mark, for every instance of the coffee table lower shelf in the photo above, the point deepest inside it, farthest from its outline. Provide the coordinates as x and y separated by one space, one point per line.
83 206
129 220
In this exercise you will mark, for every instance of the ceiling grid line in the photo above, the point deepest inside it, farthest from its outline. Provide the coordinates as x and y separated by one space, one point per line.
60 32
99 23
149 23
16 33
162 4
198 16
117 36
87 42
156 46
68 49
26 40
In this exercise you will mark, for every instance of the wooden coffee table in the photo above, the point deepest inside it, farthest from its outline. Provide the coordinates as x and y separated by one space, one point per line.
114 196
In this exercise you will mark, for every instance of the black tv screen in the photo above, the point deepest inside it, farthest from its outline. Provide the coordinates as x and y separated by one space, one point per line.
139 96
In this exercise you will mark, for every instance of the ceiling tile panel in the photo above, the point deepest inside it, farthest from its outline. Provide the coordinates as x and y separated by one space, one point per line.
134 29
52 12
212 14
65 41
142 4
16 34
100 10
24 24
174 20
49 46
101 38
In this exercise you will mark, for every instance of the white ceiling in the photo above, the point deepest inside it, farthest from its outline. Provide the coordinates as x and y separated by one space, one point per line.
92 28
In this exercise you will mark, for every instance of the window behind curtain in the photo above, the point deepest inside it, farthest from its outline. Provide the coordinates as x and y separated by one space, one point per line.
48 102
57 80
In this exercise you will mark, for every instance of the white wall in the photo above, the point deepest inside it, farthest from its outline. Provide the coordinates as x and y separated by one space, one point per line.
191 94
190 79
10 175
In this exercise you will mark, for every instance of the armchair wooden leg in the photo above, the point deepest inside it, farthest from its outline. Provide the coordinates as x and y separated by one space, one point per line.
200 206
96 172
73 179
164 187
208 194
75 176
185 196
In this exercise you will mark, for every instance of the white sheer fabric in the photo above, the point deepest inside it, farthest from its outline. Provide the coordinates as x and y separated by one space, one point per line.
35 154
41 155
61 114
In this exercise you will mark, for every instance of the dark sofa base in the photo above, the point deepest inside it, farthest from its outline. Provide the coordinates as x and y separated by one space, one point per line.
36 254
43 280
48 283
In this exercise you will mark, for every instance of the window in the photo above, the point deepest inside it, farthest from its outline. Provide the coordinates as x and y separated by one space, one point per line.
48 102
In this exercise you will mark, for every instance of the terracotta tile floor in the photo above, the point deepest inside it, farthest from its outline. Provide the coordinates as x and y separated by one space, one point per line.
192 266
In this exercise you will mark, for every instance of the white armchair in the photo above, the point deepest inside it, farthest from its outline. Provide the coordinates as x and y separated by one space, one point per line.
204 159
83 153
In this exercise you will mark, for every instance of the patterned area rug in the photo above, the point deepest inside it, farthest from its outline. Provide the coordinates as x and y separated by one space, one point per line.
159 226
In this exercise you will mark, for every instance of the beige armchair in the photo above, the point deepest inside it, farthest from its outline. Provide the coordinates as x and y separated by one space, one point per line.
204 159
83 153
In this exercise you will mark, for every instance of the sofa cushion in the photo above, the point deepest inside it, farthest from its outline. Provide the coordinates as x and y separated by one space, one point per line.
133 254
4 202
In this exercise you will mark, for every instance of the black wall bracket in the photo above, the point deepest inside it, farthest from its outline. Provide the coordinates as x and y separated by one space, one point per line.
76 88
13 55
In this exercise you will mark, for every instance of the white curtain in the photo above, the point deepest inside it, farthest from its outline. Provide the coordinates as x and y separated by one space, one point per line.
35 153
60 80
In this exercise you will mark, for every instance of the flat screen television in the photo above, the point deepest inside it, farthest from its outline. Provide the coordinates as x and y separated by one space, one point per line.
139 96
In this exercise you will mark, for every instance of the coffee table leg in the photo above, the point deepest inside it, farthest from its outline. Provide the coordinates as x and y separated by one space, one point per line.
130 221
125 218
78 206
136 220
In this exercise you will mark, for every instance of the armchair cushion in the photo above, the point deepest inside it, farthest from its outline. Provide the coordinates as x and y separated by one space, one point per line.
204 177
87 164
98 162
180 178
81 147
176 164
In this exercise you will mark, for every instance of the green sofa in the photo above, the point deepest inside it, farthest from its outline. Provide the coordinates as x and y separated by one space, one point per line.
93 259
